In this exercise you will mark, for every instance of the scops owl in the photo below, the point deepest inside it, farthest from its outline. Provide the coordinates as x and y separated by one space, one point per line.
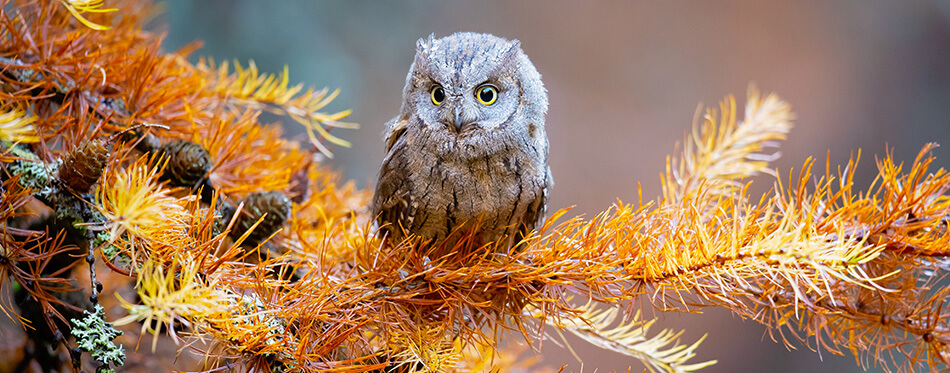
468 148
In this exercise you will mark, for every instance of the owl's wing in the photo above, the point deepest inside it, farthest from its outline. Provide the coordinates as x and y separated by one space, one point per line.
392 202
395 128
534 215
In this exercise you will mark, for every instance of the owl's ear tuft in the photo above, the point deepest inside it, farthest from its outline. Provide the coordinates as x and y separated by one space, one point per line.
514 49
508 62
423 47
514 44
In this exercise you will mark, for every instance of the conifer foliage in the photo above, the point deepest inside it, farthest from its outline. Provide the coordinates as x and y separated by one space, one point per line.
141 192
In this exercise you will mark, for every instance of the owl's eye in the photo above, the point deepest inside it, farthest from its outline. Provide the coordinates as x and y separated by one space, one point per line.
438 95
486 94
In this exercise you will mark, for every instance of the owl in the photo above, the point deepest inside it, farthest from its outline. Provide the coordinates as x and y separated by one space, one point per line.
468 149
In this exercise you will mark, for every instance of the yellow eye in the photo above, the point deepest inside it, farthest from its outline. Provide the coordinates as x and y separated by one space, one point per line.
486 94
438 95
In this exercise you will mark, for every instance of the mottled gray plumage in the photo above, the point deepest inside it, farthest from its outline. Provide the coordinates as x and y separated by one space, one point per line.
461 160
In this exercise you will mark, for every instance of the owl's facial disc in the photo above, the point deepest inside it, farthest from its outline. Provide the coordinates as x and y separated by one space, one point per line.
466 85
457 116
454 110
464 107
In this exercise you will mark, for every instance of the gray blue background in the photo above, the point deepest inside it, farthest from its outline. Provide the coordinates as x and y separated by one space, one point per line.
624 80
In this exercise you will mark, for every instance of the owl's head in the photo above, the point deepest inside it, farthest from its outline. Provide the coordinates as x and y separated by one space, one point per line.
469 83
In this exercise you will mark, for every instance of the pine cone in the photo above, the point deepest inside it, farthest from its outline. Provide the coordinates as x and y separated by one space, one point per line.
188 163
274 204
83 166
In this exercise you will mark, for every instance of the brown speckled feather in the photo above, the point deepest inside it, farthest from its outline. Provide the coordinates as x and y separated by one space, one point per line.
456 158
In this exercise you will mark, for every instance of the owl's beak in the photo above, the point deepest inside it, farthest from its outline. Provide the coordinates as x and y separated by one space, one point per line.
460 119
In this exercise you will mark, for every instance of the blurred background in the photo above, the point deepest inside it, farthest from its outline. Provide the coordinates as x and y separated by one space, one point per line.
625 80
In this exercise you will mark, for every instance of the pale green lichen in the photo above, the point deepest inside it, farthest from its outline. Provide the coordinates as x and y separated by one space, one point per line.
112 253
72 209
251 310
103 241
254 311
34 174
94 335
39 177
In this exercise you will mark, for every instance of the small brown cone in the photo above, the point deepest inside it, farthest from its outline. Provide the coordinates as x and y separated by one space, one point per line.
83 166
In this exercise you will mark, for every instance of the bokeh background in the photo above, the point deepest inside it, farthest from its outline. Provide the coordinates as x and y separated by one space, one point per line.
625 79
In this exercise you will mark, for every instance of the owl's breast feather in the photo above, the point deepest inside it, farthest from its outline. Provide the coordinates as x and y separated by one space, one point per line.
496 187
